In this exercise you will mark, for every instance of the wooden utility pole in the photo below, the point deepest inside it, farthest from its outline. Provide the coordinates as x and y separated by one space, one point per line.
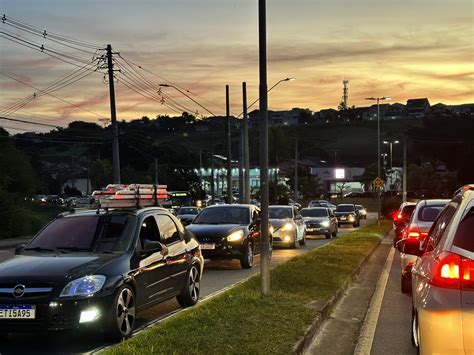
113 118
296 170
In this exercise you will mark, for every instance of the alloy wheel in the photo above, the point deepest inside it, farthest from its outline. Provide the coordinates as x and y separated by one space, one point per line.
194 284
125 311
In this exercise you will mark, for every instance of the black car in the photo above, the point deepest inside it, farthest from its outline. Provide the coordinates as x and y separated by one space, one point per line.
187 214
347 214
98 269
228 232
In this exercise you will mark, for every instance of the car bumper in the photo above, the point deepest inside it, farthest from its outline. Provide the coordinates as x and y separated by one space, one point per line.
59 314
317 230
222 250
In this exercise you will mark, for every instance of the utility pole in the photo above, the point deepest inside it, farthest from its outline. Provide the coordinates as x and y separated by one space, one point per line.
264 225
229 148
404 182
156 172
241 165
200 169
113 117
213 191
296 169
246 145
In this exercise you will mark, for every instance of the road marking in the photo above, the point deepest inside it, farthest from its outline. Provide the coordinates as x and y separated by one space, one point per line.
366 337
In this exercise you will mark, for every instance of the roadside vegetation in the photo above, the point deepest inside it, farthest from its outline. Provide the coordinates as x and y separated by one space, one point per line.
241 321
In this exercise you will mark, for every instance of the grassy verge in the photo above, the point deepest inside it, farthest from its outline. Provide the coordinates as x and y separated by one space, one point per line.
241 321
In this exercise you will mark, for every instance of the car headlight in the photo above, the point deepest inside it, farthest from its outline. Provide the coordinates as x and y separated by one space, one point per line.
235 236
325 224
287 227
351 218
85 286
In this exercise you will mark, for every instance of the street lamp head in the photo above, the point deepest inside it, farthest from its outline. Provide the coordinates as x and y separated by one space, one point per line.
385 142
371 98
385 98
290 79
396 142
164 85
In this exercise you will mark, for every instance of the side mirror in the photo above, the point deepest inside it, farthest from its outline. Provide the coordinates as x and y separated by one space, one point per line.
410 246
152 246
19 249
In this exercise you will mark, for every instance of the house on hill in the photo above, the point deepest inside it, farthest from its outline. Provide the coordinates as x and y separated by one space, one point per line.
417 107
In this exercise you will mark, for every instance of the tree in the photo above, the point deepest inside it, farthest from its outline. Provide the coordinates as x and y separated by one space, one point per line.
100 173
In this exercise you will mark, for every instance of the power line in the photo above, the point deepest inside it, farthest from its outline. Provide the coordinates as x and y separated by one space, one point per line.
28 122
45 34
56 97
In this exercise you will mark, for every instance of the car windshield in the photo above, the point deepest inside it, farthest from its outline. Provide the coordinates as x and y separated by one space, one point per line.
430 212
345 208
224 215
280 212
85 233
188 210
314 212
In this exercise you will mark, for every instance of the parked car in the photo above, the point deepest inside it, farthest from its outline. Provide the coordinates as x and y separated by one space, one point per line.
228 232
418 226
54 200
288 225
320 221
347 213
187 214
317 203
443 280
401 218
362 211
97 269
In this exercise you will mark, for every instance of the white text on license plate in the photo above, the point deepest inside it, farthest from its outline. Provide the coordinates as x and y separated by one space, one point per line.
208 246
343 218
17 312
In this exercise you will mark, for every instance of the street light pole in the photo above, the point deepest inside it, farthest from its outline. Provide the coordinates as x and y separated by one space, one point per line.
229 148
245 127
264 225
378 99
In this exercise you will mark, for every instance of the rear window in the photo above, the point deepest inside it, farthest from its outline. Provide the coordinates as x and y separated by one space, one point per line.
408 210
464 237
429 213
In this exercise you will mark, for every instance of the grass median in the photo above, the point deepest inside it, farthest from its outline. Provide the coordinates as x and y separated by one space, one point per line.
242 321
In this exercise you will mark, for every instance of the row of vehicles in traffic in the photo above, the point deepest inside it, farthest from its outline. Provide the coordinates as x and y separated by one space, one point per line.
97 268
436 242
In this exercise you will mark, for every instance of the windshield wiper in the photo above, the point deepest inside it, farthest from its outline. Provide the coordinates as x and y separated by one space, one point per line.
72 249
40 249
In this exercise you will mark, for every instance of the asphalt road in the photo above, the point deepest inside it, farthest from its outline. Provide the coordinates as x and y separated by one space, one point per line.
217 276
392 335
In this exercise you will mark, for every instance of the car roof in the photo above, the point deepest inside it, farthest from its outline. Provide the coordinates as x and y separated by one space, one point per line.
314 208
432 202
281 206
232 205
102 212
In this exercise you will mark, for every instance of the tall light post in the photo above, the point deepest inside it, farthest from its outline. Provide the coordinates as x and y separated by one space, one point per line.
378 99
391 143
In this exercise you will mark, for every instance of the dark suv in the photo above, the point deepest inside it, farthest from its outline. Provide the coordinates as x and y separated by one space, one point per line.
347 214
98 269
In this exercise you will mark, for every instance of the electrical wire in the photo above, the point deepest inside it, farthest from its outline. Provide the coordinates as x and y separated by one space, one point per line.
28 122
56 97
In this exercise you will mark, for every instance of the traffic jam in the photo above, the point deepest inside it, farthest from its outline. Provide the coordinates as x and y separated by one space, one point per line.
96 268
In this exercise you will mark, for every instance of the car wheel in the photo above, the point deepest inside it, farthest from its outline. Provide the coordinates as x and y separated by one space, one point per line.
328 235
122 314
190 294
246 260
405 285
303 240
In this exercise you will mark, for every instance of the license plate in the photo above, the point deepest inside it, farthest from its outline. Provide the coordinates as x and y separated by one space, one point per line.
208 246
343 218
17 312
309 229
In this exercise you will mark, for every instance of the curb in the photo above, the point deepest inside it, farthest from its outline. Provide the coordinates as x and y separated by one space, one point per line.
325 310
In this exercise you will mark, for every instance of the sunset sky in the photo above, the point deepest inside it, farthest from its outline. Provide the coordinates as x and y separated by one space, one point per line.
399 48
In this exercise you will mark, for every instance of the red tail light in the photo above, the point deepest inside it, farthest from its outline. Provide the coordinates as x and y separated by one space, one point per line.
452 271
415 233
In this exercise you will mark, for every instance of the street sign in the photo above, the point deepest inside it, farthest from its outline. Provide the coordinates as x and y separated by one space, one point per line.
378 182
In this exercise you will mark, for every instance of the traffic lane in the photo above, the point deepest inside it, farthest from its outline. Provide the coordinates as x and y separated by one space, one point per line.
393 331
217 276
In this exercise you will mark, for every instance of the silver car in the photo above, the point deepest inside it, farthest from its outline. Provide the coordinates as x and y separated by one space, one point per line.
287 226
443 280
418 226
320 221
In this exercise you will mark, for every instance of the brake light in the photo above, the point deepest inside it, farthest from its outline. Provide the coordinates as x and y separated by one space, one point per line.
453 271
413 235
